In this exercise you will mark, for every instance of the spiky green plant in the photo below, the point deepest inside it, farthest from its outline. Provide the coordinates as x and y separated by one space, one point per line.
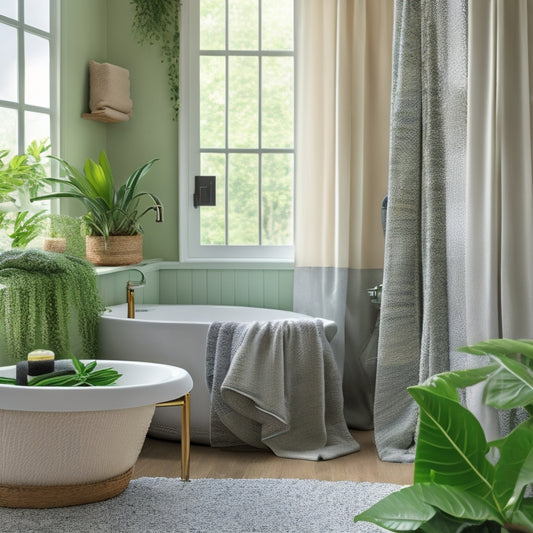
456 487
109 211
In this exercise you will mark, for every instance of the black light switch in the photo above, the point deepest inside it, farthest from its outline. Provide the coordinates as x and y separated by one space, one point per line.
204 191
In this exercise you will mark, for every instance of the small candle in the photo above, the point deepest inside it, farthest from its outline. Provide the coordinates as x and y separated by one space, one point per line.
40 362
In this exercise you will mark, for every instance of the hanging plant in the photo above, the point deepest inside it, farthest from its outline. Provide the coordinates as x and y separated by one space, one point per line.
158 21
43 291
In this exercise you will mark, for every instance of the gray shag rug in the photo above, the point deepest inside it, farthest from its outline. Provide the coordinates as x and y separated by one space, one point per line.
164 505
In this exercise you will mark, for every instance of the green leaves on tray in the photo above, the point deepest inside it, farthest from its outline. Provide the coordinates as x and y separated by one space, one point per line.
83 375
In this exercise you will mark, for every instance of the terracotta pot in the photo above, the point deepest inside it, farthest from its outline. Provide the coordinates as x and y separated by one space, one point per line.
119 250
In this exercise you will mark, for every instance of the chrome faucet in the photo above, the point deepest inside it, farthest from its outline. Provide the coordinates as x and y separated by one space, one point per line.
130 292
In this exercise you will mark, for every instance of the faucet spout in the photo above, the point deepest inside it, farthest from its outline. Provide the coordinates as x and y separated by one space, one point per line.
130 292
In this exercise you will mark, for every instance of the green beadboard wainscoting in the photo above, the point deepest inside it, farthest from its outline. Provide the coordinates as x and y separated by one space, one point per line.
213 284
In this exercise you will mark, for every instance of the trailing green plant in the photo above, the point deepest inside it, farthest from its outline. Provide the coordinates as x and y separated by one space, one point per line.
44 292
158 21
109 211
72 229
456 487
21 177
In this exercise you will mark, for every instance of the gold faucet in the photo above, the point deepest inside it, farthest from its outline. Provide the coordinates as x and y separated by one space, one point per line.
130 293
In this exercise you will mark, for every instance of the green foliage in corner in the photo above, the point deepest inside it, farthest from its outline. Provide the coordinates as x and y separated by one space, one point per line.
21 177
158 21
456 487
43 292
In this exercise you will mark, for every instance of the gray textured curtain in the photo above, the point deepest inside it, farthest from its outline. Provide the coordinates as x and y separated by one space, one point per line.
427 149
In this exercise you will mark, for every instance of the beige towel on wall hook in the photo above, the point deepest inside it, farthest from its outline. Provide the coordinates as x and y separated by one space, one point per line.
109 96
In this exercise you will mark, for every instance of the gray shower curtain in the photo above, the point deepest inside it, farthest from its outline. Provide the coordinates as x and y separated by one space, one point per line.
427 150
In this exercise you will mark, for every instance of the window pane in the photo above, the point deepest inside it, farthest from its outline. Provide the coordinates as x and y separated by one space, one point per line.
212 102
243 209
37 127
213 218
243 24
277 102
37 70
277 24
37 14
243 102
9 8
276 199
8 130
8 63
212 24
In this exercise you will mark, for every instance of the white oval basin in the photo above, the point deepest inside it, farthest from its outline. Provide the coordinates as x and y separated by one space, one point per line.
142 383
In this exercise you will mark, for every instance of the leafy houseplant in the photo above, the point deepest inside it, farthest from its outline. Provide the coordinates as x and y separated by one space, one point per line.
456 487
110 212
21 177
159 21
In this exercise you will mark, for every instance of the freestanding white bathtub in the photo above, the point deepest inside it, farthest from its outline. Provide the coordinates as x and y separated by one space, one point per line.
176 335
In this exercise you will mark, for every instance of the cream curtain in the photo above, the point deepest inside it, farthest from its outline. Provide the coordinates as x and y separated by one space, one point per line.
499 181
342 129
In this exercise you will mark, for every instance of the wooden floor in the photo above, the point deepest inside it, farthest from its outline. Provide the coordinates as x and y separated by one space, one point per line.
160 458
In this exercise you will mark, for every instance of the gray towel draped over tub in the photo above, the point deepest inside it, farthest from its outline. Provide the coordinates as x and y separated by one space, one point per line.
276 385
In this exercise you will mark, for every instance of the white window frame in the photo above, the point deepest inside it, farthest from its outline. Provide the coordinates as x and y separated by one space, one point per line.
53 36
189 160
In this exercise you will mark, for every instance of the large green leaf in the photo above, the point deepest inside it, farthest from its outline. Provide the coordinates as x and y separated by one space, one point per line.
523 516
451 445
510 386
501 347
400 511
429 507
460 379
458 503
442 523
514 469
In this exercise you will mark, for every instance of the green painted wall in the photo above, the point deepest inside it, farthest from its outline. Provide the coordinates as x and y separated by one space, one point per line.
101 30
83 37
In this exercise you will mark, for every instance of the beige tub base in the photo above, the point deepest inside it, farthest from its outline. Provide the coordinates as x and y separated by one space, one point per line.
45 497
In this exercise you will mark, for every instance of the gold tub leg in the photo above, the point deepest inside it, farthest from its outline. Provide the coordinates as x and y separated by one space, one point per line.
185 403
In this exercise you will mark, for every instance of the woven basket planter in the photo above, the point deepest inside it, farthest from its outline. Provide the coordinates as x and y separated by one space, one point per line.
52 244
120 250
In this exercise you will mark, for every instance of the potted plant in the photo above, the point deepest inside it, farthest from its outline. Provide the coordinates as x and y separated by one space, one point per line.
67 233
461 481
113 216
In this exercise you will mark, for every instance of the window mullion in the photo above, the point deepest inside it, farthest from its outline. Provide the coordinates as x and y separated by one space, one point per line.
21 78
259 126
226 128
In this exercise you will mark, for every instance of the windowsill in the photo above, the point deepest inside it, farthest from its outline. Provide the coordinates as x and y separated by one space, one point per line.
152 265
